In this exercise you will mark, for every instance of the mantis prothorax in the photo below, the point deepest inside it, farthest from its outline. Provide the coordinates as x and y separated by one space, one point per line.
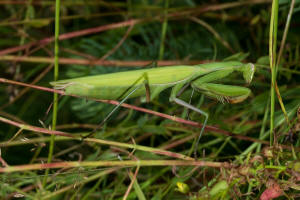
150 83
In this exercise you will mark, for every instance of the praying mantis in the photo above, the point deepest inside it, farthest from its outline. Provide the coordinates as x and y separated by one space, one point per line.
150 83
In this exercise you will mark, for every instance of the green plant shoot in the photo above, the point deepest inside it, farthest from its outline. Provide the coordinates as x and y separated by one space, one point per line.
150 83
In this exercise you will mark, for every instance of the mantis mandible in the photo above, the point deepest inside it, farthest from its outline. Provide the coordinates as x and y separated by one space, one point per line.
150 83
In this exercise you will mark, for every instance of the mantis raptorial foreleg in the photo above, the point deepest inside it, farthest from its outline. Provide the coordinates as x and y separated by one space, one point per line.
221 92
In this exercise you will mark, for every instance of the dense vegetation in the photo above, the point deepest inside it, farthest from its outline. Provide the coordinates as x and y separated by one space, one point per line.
249 150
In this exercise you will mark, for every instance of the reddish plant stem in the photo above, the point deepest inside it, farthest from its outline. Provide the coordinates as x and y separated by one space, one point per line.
71 35
35 128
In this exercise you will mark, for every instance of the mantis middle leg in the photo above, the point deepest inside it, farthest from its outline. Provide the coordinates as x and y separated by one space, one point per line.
191 107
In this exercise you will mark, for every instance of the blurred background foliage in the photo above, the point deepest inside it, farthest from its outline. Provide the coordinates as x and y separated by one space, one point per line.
236 30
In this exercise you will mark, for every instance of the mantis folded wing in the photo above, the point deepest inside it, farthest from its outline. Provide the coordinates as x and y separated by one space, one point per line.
151 82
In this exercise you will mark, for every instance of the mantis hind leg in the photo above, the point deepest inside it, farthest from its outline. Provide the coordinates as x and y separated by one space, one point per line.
145 84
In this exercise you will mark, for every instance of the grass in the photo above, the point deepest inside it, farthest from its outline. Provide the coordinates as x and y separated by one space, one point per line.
249 150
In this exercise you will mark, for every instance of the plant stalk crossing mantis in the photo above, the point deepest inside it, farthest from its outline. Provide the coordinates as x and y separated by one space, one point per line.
150 83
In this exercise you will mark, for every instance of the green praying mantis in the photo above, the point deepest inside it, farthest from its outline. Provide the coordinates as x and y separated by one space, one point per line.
150 83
